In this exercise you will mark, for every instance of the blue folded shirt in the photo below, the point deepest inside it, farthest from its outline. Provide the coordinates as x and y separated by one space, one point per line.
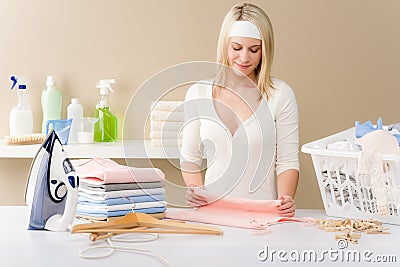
97 213
121 200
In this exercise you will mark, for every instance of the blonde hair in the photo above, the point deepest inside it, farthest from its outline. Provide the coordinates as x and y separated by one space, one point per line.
255 15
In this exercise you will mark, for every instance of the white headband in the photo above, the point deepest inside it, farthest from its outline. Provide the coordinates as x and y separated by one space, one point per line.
244 28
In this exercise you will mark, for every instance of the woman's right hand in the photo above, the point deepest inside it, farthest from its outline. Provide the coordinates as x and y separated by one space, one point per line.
194 200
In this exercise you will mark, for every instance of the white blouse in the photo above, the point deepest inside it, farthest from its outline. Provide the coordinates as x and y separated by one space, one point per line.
240 164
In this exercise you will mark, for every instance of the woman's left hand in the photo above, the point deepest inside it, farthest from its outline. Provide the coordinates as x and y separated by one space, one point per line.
287 208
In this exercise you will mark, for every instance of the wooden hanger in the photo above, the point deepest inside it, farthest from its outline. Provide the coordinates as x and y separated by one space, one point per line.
141 223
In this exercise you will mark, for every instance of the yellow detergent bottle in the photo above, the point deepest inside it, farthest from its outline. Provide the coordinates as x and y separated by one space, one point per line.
105 129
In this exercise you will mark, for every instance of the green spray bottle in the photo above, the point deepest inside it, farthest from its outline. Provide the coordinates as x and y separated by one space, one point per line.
105 129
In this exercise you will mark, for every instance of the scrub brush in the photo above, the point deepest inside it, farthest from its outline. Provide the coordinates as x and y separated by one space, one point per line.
25 139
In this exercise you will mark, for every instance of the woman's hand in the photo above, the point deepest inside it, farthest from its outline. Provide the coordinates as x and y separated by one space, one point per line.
194 200
287 208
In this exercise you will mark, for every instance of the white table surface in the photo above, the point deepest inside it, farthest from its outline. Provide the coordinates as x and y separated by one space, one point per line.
237 247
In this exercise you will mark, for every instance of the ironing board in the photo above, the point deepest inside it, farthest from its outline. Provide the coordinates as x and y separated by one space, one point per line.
237 247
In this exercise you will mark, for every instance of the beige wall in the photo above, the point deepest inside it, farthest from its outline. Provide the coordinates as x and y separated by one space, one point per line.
341 57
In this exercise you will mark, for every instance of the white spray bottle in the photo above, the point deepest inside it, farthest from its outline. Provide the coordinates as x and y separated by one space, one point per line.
21 119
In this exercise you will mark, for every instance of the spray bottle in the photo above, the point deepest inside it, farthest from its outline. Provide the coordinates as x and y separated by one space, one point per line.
105 129
51 103
21 119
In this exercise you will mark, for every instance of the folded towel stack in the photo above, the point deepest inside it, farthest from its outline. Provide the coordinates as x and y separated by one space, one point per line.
108 189
166 120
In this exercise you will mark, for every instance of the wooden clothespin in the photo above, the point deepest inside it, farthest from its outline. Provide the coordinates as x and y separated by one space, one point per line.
141 223
351 228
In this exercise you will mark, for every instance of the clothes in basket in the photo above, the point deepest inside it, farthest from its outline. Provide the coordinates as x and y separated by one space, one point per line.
346 168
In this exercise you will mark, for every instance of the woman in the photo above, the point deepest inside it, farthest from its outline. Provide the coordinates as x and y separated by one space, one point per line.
246 120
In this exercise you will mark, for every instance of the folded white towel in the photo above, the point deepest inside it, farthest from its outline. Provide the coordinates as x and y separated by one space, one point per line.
166 142
159 115
165 134
165 125
167 105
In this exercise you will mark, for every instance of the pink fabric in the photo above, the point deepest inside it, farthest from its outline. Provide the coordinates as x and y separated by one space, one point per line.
106 171
237 212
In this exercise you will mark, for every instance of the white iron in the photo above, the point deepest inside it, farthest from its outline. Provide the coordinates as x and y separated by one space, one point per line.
52 188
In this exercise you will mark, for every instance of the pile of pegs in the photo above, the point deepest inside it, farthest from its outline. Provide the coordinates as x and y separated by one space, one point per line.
351 229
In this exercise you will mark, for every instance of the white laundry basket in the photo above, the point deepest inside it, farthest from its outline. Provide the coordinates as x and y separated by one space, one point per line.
343 192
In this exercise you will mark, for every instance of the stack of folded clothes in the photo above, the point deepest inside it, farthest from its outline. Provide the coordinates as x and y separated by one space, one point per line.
166 120
108 189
